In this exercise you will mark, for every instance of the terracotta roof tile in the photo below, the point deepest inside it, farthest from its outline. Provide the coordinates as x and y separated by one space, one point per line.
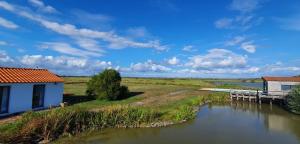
285 79
26 75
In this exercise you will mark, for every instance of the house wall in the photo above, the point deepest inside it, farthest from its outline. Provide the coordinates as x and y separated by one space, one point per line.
20 98
274 87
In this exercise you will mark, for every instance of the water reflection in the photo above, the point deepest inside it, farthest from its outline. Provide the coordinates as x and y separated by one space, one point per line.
215 123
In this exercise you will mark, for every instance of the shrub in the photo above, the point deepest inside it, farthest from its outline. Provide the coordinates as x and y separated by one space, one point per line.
107 85
293 100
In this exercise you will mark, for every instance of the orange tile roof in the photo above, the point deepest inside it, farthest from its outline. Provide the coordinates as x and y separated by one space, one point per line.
27 75
285 79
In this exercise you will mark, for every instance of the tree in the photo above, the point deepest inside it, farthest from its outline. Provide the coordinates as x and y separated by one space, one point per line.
107 85
293 100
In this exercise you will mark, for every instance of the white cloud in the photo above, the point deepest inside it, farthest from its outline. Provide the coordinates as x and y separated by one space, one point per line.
65 48
218 58
4 58
148 66
42 7
89 44
245 6
138 32
221 71
91 19
235 41
7 6
241 22
290 23
114 41
7 24
173 61
3 43
249 47
224 23
65 65
189 48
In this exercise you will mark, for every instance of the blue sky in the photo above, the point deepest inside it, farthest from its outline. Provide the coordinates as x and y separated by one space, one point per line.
153 38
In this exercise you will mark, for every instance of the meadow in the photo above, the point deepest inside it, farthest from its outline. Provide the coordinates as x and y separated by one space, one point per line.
152 103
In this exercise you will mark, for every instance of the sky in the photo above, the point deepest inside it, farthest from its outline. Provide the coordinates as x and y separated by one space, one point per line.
153 38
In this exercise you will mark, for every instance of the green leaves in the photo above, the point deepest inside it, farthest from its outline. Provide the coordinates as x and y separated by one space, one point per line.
293 100
107 85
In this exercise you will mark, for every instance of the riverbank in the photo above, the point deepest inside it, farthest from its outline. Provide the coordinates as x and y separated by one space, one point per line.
226 123
50 125
153 103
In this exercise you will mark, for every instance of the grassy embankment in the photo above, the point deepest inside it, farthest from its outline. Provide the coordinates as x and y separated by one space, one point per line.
153 102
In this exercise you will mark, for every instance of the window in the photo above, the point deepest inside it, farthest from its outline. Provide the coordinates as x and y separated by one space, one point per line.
38 96
287 87
4 99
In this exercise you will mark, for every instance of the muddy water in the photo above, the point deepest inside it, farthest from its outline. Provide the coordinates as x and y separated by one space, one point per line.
240 123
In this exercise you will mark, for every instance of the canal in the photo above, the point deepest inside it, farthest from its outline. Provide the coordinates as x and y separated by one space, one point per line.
240 123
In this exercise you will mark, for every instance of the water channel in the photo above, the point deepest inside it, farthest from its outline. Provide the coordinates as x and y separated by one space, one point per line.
233 123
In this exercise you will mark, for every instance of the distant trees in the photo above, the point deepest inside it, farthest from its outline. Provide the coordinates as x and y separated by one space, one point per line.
107 85
293 101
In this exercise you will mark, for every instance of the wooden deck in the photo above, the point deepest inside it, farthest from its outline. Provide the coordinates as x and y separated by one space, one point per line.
251 95
256 96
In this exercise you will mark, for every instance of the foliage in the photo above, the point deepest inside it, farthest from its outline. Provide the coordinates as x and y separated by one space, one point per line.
107 85
50 125
293 101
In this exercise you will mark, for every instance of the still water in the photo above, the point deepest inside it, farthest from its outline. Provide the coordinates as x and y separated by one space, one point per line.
235 123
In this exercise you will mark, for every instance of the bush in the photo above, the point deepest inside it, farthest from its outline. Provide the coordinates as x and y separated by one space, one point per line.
107 85
293 100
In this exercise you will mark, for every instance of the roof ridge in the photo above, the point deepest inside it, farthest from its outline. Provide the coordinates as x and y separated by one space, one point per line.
22 68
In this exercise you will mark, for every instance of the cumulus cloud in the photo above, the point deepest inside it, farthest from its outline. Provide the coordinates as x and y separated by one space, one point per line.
148 66
249 47
223 71
7 24
114 41
217 58
189 48
63 65
42 7
173 61
4 58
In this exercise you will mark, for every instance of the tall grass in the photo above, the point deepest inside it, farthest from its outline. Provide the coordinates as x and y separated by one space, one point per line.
52 124
189 107
38 126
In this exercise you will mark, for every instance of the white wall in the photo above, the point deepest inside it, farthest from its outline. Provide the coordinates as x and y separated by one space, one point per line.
274 87
20 98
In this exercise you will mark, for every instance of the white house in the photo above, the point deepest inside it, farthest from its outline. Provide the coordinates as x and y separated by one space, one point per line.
279 85
23 89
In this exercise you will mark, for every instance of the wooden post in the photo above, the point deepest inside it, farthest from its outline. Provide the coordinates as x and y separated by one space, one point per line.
257 96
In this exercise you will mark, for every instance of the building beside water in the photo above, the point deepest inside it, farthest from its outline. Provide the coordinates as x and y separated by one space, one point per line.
279 85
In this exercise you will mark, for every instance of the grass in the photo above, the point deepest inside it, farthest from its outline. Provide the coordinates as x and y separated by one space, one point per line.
153 102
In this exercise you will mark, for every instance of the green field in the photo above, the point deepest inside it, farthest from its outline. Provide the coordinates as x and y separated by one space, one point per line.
152 102
144 91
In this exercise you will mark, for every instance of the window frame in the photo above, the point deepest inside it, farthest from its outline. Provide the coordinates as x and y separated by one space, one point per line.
290 87
8 99
43 96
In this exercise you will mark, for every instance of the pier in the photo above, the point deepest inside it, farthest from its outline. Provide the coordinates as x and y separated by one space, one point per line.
252 95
